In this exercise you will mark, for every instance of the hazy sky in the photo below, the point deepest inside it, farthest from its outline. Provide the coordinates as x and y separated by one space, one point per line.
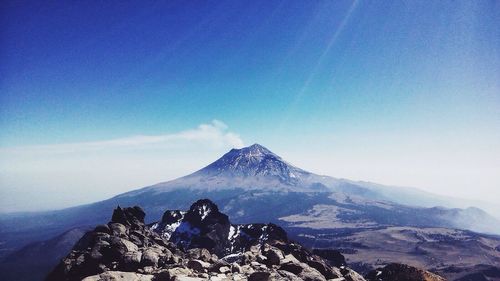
100 97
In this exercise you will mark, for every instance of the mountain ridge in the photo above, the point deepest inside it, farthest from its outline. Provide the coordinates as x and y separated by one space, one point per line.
309 203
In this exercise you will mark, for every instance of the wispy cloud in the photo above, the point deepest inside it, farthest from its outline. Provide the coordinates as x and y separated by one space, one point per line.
61 175
215 133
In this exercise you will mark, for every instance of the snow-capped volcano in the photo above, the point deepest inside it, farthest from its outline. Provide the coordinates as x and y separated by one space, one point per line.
252 167
254 184
252 161
256 172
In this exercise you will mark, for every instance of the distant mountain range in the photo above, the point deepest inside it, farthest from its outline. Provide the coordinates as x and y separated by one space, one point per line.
257 169
253 184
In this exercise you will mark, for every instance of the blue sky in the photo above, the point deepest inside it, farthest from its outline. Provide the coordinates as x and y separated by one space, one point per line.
399 92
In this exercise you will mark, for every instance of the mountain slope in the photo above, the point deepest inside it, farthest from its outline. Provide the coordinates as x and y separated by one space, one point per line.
257 169
254 184
253 167
39 257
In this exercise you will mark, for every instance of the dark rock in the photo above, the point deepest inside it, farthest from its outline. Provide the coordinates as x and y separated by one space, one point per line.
235 268
131 261
211 228
133 216
120 246
289 276
259 276
102 228
311 274
274 256
118 229
215 267
200 254
150 257
198 265
291 267
334 257
172 216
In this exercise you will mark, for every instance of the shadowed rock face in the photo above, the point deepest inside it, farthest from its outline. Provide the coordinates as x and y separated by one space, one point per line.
203 226
39 257
129 216
334 257
198 244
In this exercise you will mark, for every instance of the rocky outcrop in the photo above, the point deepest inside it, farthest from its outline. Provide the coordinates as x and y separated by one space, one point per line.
202 244
402 272
199 244
203 226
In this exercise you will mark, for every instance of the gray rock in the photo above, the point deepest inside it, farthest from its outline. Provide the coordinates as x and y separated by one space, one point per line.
292 267
255 264
273 256
188 278
311 274
215 267
262 259
247 269
200 254
118 229
166 257
235 268
198 265
173 273
288 275
321 266
122 246
95 253
204 275
150 256
103 228
119 276
131 260
351 275
302 270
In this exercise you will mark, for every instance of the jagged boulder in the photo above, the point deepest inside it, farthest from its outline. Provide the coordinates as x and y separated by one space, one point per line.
204 226
200 253
133 216
273 255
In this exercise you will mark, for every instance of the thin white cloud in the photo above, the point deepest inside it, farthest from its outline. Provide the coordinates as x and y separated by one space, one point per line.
61 175
215 134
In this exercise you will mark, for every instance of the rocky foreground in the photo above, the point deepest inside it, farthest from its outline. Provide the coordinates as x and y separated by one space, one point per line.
202 244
